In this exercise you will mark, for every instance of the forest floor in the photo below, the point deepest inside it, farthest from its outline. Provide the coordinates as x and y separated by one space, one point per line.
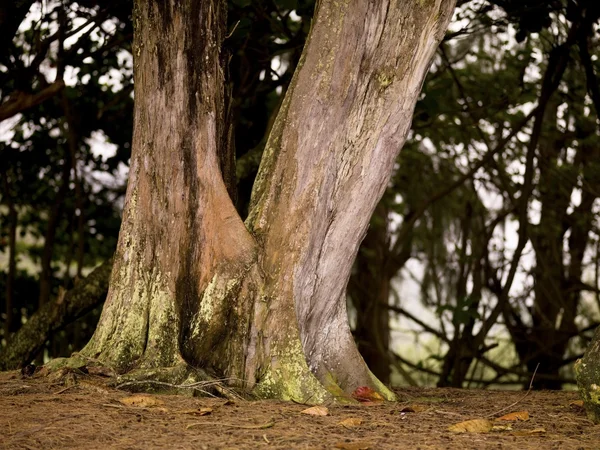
46 412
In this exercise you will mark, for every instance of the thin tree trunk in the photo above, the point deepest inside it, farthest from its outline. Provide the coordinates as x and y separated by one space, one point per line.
11 323
53 220
369 289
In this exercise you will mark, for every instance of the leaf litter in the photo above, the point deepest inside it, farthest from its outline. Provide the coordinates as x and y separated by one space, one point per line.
32 414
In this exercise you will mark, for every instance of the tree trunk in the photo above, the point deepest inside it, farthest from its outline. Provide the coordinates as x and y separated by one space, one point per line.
587 373
369 289
12 320
54 216
264 302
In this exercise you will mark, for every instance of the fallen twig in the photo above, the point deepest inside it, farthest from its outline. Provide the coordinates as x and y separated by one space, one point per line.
522 398
261 426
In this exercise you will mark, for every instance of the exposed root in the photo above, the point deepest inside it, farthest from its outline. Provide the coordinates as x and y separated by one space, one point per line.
202 387
182 379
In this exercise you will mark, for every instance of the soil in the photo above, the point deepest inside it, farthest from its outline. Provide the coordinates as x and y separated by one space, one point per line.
82 412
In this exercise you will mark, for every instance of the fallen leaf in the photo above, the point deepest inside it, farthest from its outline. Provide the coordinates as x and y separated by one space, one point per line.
366 394
577 403
142 401
414 408
529 432
472 426
197 411
316 411
351 422
514 416
354 445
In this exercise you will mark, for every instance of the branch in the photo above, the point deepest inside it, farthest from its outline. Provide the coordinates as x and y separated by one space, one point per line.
590 75
21 101
402 311
29 340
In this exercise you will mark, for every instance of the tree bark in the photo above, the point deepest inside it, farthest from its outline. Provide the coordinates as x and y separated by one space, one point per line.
263 302
587 373
12 320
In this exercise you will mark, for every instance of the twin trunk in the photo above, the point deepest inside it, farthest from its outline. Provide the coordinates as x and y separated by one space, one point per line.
263 302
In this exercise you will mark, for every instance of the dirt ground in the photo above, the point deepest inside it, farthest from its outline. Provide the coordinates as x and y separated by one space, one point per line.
45 413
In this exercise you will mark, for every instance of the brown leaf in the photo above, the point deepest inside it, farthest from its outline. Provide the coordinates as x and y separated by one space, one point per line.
472 426
141 401
354 445
366 394
316 411
414 408
577 403
351 422
197 411
514 416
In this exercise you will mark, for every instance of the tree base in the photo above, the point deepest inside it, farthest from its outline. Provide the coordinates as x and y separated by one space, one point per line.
181 379
587 372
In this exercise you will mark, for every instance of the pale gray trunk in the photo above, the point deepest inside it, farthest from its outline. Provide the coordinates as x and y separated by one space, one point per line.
330 156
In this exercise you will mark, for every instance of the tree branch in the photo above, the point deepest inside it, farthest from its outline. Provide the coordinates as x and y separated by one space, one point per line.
21 101
29 340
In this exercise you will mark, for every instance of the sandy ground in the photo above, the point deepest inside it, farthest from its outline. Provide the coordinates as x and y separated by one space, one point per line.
81 412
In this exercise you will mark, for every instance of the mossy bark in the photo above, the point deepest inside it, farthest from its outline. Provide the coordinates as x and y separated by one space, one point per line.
328 159
261 304
587 373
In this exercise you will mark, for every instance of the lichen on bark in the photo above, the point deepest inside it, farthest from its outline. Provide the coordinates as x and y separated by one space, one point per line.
587 373
261 304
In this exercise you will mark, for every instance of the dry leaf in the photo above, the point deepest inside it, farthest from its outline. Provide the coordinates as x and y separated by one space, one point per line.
519 415
472 426
577 403
316 411
365 394
197 411
414 408
351 422
354 445
142 401
529 432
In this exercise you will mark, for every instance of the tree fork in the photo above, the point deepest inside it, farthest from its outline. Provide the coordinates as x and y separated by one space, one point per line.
261 302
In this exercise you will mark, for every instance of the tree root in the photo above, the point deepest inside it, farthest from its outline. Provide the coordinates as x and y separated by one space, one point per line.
181 379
